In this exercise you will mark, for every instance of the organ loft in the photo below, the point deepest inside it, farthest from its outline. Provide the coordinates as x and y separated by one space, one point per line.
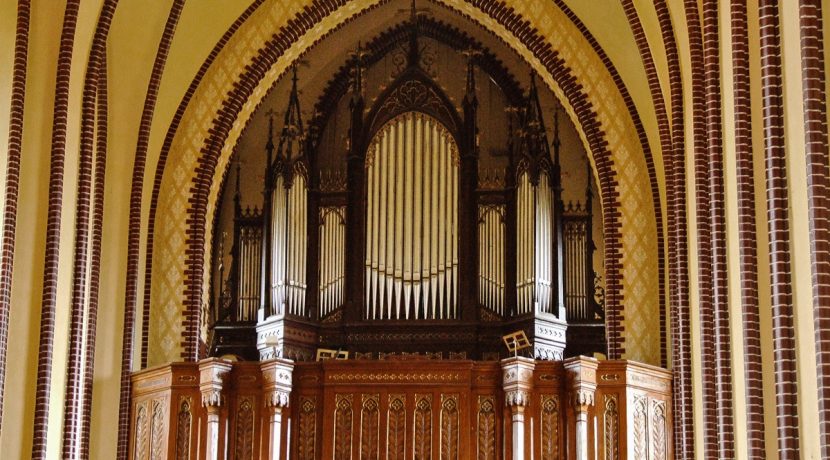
409 269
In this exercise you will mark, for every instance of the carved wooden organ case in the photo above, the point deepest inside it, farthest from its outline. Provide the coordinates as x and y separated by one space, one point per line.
409 248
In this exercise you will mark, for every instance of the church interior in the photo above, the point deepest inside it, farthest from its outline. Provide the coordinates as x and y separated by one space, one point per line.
414 229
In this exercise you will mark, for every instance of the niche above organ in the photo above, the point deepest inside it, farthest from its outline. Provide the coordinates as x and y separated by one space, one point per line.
418 207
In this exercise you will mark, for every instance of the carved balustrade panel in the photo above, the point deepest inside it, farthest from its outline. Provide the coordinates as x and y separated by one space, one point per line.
427 409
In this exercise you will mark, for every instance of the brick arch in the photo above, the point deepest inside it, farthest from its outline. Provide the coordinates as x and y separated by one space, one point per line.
556 68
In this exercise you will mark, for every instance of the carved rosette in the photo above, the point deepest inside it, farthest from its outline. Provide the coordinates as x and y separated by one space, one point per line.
396 427
611 421
486 442
370 427
550 427
343 427
307 433
449 427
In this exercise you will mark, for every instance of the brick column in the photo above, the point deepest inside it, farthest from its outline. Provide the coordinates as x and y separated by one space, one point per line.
517 383
277 377
582 383
213 373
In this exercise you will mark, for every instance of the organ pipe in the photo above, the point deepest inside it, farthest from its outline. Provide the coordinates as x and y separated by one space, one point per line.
535 223
411 258
491 232
288 247
332 258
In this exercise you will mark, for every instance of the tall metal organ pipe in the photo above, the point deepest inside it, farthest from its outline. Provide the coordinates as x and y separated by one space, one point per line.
411 221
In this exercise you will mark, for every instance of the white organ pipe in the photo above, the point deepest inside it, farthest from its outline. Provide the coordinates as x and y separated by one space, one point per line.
289 216
412 219
332 258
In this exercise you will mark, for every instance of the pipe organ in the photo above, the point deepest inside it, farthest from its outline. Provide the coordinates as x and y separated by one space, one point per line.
491 243
400 247
411 221
332 258
289 201
535 217
249 272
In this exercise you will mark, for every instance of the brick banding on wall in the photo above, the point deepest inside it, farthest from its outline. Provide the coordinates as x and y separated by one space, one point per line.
664 132
615 341
679 263
747 232
134 233
716 198
704 230
53 230
12 185
97 229
783 330
818 191
77 359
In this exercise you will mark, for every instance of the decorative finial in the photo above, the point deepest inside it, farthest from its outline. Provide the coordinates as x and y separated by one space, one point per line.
270 144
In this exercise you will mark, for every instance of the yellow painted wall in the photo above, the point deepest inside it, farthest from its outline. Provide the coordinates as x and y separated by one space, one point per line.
132 45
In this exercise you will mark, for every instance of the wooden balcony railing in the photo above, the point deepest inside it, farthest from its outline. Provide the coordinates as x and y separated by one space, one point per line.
414 409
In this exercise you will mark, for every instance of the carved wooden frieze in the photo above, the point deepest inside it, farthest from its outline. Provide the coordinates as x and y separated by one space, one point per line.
658 430
396 427
159 430
370 427
611 421
184 423
449 427
307 433
343 427
422 433
142 442
549 418
486 439
640 429
244 430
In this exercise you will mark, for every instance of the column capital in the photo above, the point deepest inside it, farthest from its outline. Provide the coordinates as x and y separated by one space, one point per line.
277 376
213 373
581 374
517 380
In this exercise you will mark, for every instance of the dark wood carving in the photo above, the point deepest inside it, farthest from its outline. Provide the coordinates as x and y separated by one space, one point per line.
141 440
307 440
550 427
184 423
658 430
422 436
245 430
159 429
486 439
369 427
640 429
396 427
343 427
611 419
449 427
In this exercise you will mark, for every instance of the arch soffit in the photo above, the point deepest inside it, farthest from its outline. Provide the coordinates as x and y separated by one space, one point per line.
594 111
